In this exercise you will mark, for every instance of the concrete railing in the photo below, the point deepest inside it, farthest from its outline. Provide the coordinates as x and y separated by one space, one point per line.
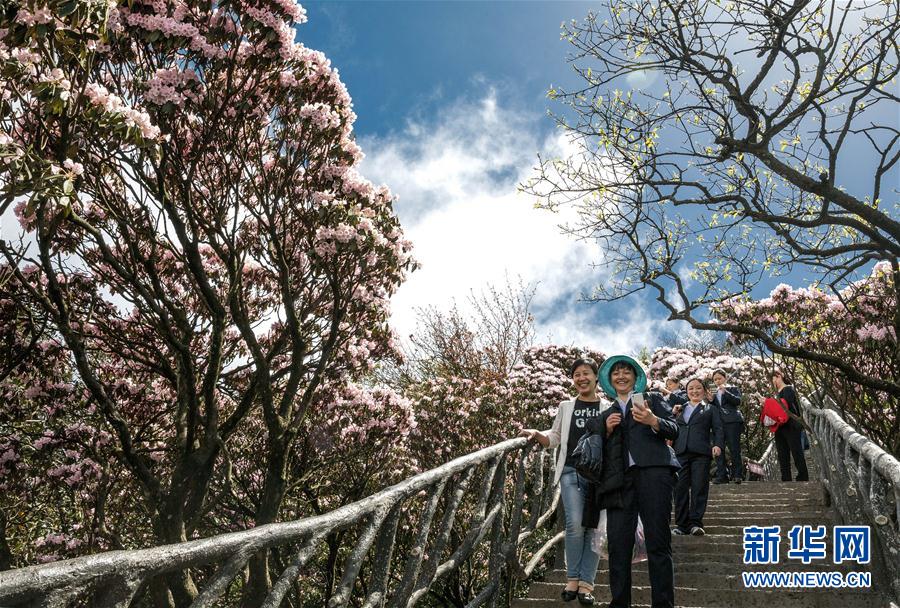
493 499
862 481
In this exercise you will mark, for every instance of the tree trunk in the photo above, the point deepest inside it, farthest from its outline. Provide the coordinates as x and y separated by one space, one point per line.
178 589
6 557
273 493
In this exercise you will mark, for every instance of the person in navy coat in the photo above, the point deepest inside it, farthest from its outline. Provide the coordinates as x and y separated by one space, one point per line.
727 399
645 421
700 436
674 393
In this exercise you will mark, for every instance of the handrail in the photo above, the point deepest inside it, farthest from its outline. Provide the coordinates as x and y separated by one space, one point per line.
769 462
863 480
117 578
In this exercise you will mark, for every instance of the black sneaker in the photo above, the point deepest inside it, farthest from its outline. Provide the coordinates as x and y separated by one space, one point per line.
586 599
680 532
738 481
568 596
697 531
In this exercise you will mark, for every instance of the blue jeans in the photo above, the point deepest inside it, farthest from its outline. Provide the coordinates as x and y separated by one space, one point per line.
581 561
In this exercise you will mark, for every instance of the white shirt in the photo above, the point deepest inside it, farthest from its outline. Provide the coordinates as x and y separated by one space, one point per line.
689 410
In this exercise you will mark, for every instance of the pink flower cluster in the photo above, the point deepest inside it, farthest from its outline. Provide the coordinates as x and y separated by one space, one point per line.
173 85
40 15
26 57
100 97
282 29
291 9
171 27
749 373
855 325
57 79
321 115
73 168
874 332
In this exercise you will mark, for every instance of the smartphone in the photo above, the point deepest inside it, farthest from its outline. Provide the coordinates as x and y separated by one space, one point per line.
637 400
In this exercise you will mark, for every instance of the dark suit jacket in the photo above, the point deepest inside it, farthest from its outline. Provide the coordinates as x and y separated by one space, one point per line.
701 432
729 405
647 448
677 398
608 493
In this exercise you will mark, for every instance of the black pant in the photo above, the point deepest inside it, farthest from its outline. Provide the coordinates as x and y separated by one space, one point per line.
788 443
648 493
733 432
691 490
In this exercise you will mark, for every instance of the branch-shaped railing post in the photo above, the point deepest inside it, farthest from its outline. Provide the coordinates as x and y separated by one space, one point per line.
862 481
497 517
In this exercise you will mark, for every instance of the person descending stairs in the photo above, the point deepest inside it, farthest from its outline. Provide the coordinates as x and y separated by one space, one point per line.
708 569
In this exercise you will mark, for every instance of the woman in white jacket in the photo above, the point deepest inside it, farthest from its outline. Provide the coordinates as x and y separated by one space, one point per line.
568 427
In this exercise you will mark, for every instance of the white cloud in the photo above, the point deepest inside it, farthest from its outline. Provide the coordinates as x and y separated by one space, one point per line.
579 324
456 180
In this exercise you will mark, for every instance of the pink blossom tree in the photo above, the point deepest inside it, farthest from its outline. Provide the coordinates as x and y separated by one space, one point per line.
197 234
542 381
61 491
855 324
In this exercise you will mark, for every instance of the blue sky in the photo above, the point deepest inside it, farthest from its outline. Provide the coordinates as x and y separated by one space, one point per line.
451 99
409 59
452 113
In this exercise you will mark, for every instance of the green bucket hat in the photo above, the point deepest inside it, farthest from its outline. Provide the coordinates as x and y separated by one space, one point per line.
640 383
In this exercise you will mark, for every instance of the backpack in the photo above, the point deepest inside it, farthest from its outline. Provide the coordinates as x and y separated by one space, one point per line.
588 456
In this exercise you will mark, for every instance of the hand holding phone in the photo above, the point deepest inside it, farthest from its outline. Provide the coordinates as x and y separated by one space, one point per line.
641 411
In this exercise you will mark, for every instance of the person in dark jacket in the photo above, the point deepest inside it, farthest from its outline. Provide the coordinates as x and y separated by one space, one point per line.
727 399
644 421
700 435
787 437
674 393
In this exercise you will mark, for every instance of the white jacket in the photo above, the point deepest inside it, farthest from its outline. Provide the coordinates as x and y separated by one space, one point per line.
559 435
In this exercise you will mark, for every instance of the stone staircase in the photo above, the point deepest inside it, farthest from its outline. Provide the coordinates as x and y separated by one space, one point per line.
708 568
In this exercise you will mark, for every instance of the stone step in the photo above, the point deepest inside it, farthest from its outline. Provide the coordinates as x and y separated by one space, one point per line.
724 544
742 506
767 519
708 569
770 488
773 500
767 486
763 506
731 532
725 529
774 505
730 598
768 498
722 582
773 494
731 555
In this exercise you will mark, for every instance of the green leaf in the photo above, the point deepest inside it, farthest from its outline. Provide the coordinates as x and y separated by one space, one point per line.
67 8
